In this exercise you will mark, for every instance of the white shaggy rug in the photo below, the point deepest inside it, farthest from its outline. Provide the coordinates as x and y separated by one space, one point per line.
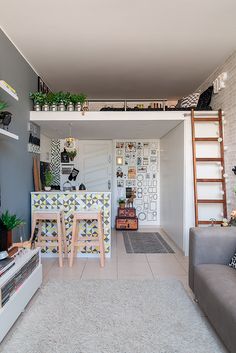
105 316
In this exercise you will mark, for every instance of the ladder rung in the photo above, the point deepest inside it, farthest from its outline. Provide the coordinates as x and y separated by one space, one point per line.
210 222
209 139
210 180
209 201
206 119
209 159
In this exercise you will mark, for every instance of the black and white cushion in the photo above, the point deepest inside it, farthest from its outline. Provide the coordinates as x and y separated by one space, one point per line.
190 101
233 261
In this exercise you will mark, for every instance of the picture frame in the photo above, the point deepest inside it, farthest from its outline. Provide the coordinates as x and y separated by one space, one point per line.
42 87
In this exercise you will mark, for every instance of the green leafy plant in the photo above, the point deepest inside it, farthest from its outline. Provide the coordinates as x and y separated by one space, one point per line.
11 221
3 105
121 200
48 178
38 97
82 98
75 98
72 154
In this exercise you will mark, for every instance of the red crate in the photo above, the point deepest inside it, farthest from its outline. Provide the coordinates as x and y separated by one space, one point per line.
127 223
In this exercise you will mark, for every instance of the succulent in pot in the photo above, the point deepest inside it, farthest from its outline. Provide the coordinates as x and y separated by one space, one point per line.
64 100
121 202
48 180
8 223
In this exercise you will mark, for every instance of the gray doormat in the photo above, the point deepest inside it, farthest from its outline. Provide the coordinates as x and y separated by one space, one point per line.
145 243
107 316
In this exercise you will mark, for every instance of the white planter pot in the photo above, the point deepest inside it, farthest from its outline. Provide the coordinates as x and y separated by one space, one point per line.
47 188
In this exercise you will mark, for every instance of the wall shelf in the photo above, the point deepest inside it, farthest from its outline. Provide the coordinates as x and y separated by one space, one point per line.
4 134
7 88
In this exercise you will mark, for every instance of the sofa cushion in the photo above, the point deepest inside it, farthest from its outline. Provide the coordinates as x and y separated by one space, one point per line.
190 101
215 288
205 98
233 261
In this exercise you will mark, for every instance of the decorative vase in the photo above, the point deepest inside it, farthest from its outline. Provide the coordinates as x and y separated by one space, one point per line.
78 107
47 188
37 107
70 107
53 107
61 107
45 108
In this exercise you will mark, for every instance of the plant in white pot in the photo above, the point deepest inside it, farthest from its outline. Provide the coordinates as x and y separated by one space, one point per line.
48 180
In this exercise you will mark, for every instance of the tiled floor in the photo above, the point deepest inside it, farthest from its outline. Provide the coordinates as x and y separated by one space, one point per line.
122 265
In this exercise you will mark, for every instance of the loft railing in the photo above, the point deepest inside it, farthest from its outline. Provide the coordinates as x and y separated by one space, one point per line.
127 103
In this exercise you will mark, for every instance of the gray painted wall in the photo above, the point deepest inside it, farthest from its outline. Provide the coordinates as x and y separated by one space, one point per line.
15 162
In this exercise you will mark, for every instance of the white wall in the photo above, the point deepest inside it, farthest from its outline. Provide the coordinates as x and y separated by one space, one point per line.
226 100
172 177
45 148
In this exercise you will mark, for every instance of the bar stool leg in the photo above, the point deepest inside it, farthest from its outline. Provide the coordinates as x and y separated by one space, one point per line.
39 236
33 226
73 240
101 240
64 234
59 237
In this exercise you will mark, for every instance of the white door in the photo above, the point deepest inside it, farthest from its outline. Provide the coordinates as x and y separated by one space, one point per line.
95 159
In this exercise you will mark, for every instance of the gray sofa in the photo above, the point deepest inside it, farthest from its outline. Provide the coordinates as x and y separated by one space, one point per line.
212 281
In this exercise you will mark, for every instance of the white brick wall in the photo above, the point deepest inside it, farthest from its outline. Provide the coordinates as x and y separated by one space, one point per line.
226 100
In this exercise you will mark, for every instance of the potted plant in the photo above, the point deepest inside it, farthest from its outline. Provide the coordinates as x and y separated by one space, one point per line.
72 154
3 105
8 223
82 100
48 180
38 99
64 100
121 202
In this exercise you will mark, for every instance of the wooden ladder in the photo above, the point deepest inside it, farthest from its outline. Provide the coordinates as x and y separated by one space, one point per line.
197 160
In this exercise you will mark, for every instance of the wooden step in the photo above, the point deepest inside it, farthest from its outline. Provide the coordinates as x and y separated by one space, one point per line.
208 139
209 159
210 222
206 119
210 180
209 201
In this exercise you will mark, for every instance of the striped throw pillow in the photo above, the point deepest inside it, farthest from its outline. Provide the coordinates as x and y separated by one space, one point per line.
190 101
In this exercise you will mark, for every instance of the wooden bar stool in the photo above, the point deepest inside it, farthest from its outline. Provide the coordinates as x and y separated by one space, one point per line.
78 240
38 216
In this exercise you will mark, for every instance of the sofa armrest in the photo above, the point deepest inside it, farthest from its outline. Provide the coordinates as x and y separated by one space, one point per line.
210 245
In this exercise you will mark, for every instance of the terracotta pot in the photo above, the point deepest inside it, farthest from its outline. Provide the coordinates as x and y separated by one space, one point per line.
122 205
9 239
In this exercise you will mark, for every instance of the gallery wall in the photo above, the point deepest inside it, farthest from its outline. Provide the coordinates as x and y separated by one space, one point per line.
15 161
139 171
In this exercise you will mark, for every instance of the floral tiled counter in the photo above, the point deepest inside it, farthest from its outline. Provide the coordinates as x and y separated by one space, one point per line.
71 202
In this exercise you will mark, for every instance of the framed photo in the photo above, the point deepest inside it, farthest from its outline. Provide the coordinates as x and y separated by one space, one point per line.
142 169
120 145
42 87
130 146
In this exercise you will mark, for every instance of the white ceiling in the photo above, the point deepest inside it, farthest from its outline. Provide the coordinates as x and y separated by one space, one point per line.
129 49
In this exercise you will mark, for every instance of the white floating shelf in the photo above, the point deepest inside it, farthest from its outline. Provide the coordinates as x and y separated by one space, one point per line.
6 87
4 134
